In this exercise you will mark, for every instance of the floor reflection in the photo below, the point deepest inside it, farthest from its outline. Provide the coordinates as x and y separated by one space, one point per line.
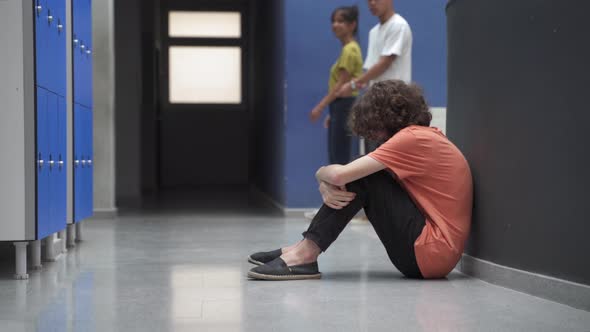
187 272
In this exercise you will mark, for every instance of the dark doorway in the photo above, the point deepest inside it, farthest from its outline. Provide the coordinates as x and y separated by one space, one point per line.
203 139
174 143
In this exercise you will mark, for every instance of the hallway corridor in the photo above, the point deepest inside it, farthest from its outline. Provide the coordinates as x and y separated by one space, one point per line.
186 271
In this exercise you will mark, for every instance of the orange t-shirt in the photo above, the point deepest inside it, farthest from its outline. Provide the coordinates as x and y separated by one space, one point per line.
437 177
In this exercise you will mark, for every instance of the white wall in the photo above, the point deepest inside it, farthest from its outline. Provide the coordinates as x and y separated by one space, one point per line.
104 126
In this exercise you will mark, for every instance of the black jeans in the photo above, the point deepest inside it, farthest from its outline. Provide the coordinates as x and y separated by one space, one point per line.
339 137
391 211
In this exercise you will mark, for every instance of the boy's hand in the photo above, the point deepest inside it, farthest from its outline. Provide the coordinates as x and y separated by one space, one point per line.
334 196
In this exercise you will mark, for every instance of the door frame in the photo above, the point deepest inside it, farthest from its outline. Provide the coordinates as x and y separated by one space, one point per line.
166 110
166 42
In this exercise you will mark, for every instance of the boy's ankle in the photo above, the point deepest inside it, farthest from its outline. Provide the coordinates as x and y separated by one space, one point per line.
298 258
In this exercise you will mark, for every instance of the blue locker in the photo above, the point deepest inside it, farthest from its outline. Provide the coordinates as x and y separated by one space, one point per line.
77 165
56 198
89 163
56 60
77 41
83 169
57 45
83 31
52 121
43 186
82 75
60 191
50 62
46 125
87 78
81 84
74 163
41 51
88 63
90 169
59 33
85 164
77 74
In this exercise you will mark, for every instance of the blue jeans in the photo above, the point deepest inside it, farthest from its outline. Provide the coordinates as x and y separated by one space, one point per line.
339 136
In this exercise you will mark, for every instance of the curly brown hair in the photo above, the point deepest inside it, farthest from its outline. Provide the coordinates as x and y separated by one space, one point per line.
388 107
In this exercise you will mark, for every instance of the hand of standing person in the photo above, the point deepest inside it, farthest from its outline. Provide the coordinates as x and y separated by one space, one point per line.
315 113
327 122
344 91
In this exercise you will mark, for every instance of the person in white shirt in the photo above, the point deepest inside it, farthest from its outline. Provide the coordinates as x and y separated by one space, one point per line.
389 55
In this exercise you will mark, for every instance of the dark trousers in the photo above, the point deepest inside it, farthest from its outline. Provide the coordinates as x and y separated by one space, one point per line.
391 211
339 137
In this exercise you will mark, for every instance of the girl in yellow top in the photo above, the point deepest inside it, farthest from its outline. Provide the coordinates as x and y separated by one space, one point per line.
348 66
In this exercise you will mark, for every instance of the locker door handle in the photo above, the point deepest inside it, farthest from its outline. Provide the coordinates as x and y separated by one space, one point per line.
59 26
88 52
40 161
49 19
83 163
89 162
76 163
76 43
60 163
51 162
39 8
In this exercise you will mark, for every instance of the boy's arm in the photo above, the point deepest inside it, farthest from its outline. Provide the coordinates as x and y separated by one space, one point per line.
377 69
340 175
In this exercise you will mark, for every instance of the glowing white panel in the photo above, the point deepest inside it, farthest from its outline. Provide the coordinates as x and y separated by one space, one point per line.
205 75
205 24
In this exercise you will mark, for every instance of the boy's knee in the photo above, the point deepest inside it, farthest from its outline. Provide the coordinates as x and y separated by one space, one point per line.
362 185
355 187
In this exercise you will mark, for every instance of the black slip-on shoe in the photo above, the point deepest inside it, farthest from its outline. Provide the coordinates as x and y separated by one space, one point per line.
261 258
277 269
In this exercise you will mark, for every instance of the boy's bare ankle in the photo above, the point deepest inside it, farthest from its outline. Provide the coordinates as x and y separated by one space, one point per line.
290 248
299 256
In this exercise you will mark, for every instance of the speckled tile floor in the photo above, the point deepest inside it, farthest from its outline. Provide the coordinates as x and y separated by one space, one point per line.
185 270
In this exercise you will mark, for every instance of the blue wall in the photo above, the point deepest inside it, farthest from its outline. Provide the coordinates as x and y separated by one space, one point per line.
429 69
311 49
